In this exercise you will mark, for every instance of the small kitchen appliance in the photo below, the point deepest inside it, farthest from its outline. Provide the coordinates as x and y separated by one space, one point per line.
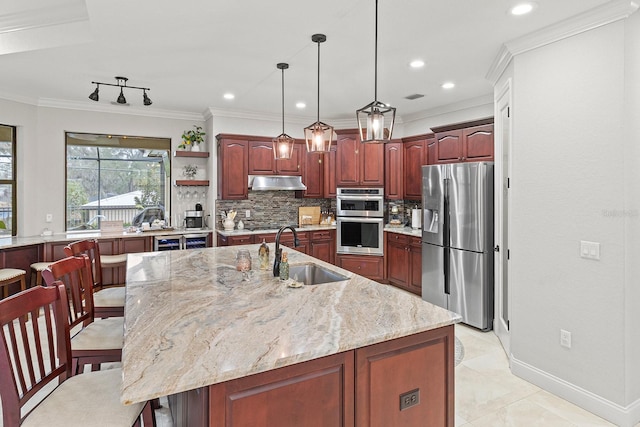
194 220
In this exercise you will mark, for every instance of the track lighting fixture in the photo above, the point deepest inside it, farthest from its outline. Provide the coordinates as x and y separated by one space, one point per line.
121 83
283 143
371 118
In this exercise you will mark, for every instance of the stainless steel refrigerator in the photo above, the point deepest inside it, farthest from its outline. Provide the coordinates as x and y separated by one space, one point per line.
457 240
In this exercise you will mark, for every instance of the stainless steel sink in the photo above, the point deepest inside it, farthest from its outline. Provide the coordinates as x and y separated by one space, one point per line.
313 274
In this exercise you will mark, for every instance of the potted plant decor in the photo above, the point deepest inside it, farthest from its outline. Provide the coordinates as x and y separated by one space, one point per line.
191 139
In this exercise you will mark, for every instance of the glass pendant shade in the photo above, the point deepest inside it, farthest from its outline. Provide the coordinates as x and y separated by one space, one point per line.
283 146
375 122
283 143
318 137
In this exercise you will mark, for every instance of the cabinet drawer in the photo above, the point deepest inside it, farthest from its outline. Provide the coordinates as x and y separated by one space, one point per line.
400 239
321 235
240 240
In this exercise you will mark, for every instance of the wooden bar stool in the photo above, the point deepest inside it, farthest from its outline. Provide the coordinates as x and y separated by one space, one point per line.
9 276
36 270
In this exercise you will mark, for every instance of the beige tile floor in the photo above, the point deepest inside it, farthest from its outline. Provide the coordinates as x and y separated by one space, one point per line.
488 395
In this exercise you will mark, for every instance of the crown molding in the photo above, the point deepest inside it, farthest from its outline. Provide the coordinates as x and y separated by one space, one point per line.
119 109
450 108
67 13
589 20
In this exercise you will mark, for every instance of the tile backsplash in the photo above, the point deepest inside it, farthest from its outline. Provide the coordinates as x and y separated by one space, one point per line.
269 208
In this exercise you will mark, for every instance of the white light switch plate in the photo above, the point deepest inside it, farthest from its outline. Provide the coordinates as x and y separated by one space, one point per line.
589 250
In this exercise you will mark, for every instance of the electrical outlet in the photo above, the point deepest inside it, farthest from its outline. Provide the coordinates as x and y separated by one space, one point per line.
565 338
49 218
409 399
589 250
247 213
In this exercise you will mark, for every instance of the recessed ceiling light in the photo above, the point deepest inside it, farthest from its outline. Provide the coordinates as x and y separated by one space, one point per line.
522 8
416 63
229 96
301 105
448 85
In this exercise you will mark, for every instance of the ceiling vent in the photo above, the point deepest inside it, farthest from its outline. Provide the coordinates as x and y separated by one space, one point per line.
414 96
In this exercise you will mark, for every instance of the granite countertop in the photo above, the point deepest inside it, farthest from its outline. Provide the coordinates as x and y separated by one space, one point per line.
416 232
190 321
247 231
13 242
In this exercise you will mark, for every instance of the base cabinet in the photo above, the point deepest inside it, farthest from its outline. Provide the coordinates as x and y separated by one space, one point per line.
365 387
404 262
369 266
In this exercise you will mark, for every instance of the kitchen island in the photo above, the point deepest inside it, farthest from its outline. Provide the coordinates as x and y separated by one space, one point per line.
257 352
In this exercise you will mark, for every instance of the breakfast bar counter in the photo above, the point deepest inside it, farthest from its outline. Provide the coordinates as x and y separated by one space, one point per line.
192 323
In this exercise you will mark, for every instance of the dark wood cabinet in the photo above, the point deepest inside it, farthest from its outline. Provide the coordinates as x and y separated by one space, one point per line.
233 159
330 172
393 171
21 257
357 164
319 392
431 150
262 162
404 262
313 175
190 408
464 142
322 245
421 364
369 266
415 156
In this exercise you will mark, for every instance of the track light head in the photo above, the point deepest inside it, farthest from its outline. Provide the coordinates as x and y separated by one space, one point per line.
121 98
145 98
94 96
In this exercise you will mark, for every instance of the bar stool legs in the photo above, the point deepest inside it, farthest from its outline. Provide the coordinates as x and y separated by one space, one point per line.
9 276
36 272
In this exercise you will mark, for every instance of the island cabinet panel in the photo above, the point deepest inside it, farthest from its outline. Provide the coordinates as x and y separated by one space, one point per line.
369 266
393 171
21 257
190 408
404 262
315 393
420 363
233 159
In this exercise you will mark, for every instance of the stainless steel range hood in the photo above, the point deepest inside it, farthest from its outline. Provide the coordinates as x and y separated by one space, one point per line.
276 182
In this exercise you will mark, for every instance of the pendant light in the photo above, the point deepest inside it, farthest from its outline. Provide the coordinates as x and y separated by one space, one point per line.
318 135
374 126
283 143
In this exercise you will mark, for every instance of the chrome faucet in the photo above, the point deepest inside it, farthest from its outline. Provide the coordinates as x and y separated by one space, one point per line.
296 242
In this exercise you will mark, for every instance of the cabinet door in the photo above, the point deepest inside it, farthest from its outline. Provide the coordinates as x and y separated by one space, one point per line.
414 156
371 164
318 392
422 363
330 172
432 150
292 166
233 158
371 267
393 167
322 245
313 176
397 260
261 161
449 146
478 143
348 161
415 262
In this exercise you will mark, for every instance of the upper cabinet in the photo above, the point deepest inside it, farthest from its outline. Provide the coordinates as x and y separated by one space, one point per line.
357 164
393 171
415 156
233 160
262 162
464 142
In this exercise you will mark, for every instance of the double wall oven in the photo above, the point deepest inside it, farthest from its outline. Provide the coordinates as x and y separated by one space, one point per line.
360 221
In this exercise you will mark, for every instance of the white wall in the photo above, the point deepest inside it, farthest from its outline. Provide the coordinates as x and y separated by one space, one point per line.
41 154
477 110
573 169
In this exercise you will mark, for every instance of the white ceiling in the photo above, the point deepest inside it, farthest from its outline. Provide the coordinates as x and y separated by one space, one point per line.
193 51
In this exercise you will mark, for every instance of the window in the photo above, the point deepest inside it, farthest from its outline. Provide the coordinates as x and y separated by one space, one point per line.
116 178
8 212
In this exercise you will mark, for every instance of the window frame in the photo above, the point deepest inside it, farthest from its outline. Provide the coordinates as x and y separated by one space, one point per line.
13 182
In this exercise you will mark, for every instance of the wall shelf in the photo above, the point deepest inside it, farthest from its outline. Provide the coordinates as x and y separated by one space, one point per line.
192 182
183 153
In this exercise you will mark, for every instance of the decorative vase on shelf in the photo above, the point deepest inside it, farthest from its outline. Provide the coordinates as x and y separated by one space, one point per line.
195 147
228 224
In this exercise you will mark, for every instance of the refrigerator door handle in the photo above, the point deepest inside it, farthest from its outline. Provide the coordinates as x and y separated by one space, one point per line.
445 235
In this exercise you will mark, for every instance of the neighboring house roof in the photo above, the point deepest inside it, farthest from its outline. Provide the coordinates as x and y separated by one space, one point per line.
121 200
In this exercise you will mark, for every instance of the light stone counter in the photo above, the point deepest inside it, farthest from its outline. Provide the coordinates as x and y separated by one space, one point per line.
247 231
404 230
190 321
